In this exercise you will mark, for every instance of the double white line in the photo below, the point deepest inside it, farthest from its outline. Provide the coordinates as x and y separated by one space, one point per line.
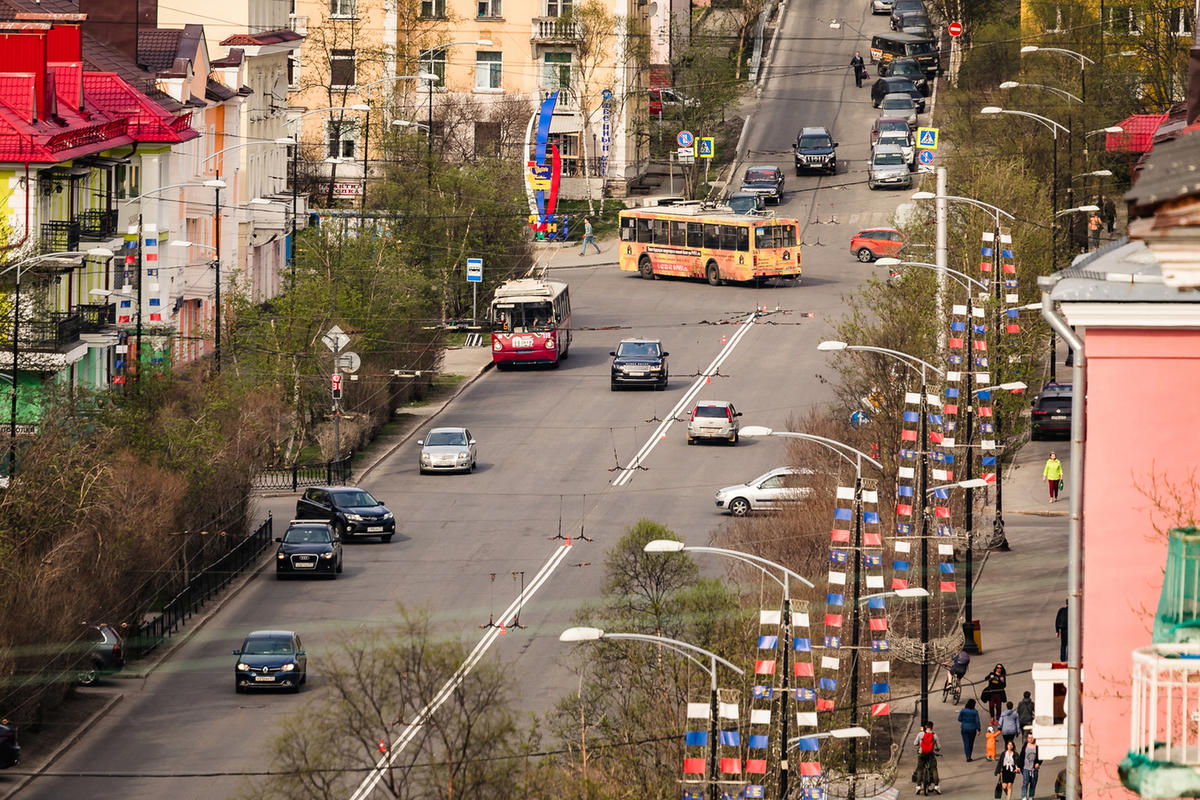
411 730
630 469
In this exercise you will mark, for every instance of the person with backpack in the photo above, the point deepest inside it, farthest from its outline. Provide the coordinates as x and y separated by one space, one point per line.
929 747
968 720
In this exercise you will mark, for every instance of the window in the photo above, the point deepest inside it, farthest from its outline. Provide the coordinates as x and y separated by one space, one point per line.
342 8
128 180
556 71
434 61
1181 21
341 68
342 138
487 139
694 236
488 8
1123 20
433 9
293 71
487 70
712 237
558 8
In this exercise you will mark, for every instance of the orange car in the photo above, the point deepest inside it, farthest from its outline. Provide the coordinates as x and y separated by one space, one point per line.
872 243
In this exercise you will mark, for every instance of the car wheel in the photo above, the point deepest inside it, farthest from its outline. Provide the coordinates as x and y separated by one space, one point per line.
865 255
500 365
646 268
295 688
339 567
88 676
421 470
798 172
739 506
304 678
237 688
387 537
733 439
713 273
612 385
340 530
691 440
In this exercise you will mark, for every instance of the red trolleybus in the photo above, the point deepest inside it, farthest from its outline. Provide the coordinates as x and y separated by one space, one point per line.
691 241
531 323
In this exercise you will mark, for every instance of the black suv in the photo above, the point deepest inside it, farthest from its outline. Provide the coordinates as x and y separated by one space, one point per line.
639 362
10 751
767 181
906 68
815 149
105 653
307 548
351 511
1051 411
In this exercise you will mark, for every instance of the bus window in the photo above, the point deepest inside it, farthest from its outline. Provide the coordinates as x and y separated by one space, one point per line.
660 231
643 231
629 229
679 234
728 237
763 237
743 239
694 239
712 237
785 236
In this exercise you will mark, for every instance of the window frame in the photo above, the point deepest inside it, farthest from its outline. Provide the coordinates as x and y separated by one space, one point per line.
340 128
437 9
340 55
337 9
489 68
494 9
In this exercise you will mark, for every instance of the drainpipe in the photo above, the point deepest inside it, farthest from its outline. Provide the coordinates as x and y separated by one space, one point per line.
1074 535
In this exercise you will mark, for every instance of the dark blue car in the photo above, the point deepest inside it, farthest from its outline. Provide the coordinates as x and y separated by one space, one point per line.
270 660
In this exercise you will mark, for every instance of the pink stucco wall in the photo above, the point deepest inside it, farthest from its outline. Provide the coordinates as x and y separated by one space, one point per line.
1142 403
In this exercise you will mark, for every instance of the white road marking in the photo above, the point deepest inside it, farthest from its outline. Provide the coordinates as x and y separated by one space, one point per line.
411 730
628 472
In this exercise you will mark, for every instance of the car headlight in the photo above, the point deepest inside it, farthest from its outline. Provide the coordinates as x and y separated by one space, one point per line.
386 515
463 455
656 369
354 517
549 344
327 555
281 556
497 346
424 458
243 667
287 668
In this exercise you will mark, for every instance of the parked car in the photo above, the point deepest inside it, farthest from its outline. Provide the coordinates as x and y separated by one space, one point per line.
815 149
902 139
745 203
105 653
767 181
916 23
907 68
10 749
1051 413
352 512
308 548
270 660
900 105
897 85
639 362
902 7
447 450
713 419
668 100
888 168
883 124
882 6
771 490
872 243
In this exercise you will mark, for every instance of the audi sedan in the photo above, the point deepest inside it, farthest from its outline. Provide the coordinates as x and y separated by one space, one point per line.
308 548
447 450
769 491
270 660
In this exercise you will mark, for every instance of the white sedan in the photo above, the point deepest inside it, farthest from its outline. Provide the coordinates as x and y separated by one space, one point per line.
447 450
772 490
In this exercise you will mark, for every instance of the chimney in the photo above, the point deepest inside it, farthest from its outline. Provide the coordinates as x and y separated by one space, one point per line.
117 23
64 55
23 52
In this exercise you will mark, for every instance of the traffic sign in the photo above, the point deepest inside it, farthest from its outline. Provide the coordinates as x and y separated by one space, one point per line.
926 157
706 146
927 138
349 362
955 29
474 270
686 155
685 139
859 418
335 339
335 386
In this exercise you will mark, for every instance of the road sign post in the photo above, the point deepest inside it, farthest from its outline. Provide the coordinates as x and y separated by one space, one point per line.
705 147
955 29
474 277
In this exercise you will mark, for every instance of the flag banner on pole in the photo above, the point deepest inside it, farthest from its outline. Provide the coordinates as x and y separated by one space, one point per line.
696 738
760 716
693 766
765 692
698 710
756 766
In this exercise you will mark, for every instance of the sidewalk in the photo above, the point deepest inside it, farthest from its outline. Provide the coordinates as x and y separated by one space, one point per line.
1017 595
565 255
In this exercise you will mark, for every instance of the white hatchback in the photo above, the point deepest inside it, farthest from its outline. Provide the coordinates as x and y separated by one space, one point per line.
772 490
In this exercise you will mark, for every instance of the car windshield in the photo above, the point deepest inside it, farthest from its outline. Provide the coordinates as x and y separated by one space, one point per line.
523 317
638 350
888 159
712 411
760 175
898 103
445 438
744 203
919 48
812 141
267 646
893 137
1055 404
356 498
308 535
893 125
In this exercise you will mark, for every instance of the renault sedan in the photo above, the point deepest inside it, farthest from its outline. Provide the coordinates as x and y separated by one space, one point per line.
270 660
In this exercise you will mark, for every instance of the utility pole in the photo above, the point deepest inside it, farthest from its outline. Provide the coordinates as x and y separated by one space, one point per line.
855 628
217 265
295 199
922 499
998 297
137 367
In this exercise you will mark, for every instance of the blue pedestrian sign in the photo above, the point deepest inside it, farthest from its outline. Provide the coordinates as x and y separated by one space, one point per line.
927 138
926 157
706 146
474 270
685 139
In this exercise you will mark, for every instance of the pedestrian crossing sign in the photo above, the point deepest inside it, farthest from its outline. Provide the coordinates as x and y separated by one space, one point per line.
927 138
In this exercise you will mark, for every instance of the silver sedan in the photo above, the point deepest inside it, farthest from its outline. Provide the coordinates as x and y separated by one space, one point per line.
447 450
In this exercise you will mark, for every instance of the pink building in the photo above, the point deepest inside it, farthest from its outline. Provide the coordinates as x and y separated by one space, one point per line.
1136 307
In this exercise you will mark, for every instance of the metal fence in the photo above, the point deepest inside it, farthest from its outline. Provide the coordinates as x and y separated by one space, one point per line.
301 476
198 591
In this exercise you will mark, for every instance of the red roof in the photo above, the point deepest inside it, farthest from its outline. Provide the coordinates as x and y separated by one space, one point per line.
1139 133
270 37
148 122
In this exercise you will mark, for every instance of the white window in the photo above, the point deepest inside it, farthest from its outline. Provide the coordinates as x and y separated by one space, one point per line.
1123 20
556 71
488 8
487 70
341 138
433 9
558 8
341 68
293 72
433 61
1181 21
342 8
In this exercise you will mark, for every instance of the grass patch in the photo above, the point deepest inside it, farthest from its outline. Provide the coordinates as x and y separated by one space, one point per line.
442 386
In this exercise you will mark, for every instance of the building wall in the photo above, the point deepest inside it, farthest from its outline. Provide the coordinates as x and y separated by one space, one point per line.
1141 402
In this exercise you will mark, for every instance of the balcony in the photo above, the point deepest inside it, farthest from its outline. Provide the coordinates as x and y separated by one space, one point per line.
1164 739
298 23
95 318
97 225
53 334
554 30
567 100
59 236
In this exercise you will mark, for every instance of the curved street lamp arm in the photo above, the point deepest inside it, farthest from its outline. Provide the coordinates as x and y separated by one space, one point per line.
678 647
1049 123
910 360
832 444
994 209
750 557
964 280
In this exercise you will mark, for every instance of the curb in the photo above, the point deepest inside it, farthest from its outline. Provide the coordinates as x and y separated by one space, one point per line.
64 746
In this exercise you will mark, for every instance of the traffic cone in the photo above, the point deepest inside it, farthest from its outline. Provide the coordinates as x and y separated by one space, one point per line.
568 541
707 380
722 338
502 630
382 746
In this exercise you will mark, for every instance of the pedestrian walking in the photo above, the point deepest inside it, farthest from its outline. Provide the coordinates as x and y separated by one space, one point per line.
993 733
928 749
1053 473
1010 724
860 70
587 237
994 693
968 720
1030 764
1108 212
1060 630
1007 767
1094 229
1025 712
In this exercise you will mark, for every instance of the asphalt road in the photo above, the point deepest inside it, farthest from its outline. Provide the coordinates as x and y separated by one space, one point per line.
549 443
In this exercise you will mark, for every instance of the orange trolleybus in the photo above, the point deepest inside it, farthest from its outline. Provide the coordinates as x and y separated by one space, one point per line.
692 241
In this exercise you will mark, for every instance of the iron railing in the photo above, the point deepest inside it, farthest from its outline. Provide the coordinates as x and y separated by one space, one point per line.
60 235
96 224
301 476
61 329
94 318
198 591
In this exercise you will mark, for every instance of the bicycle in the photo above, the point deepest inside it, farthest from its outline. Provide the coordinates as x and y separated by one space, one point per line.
952 688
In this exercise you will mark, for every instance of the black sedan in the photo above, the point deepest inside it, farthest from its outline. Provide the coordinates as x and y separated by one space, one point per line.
1051 414
896 85
351 511
639 362
308 548
270 660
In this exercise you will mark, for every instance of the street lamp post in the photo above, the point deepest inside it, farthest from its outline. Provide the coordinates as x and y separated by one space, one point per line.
584 634
362 90
921 367
429 143
1083 62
